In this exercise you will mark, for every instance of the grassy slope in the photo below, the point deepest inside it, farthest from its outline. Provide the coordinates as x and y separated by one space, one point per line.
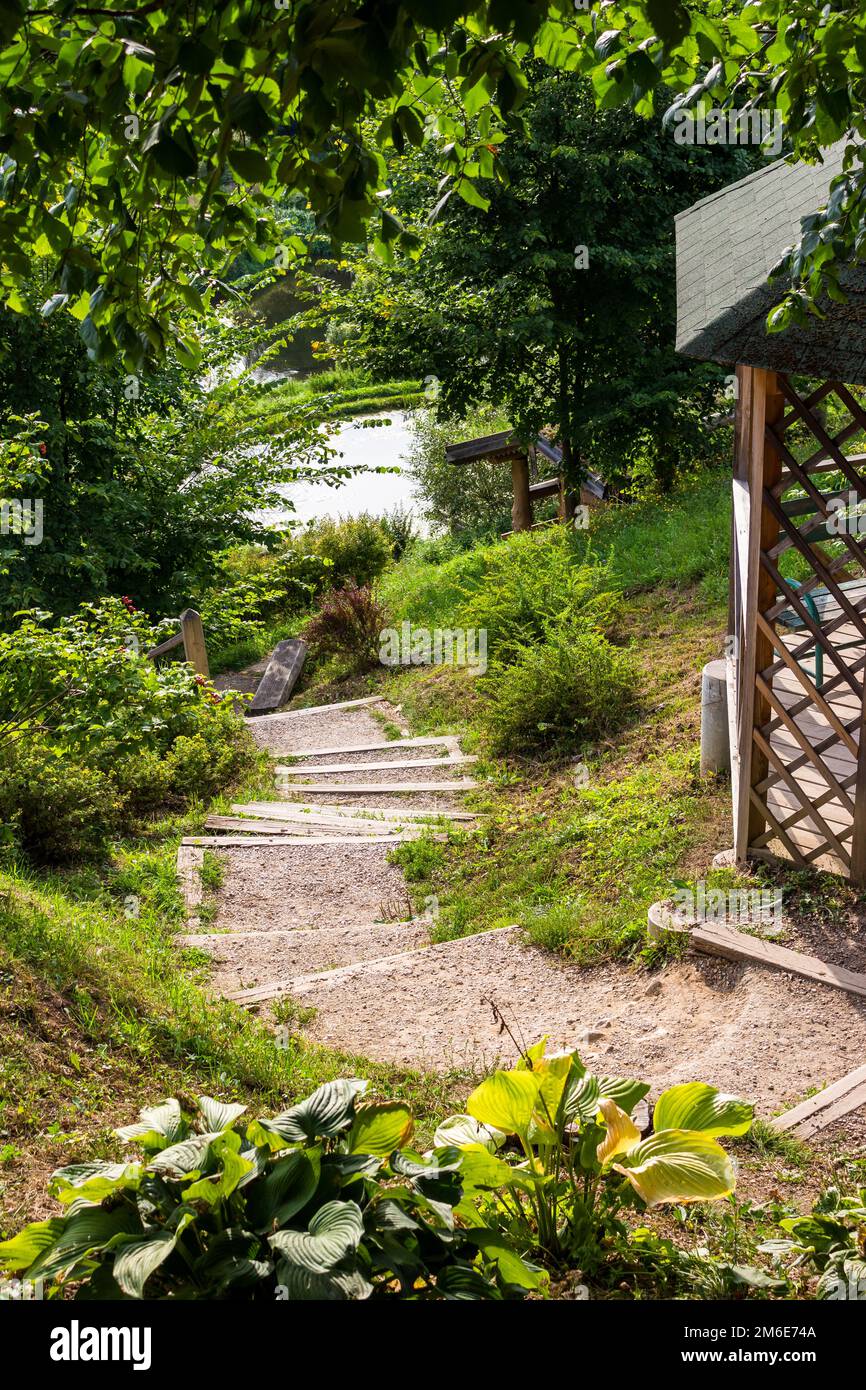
339 393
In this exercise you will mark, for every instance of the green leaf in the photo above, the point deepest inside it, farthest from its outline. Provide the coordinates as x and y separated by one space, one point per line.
506 1100
93 1182
288 1186
23 1249
324 1114
381 1128
250 165
469 193
462 1130
335 1231
158 1126
679 1166
218 1115
136 1260
698 1106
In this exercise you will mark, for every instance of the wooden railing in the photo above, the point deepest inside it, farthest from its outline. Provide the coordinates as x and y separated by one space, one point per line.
191 638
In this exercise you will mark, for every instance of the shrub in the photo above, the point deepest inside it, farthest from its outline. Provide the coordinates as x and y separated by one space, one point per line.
259 587
564 692
473 497
399 527
324 1201
348 624
55 807
358 549
92 733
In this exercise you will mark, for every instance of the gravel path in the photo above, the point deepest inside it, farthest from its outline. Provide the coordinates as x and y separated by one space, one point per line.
288 912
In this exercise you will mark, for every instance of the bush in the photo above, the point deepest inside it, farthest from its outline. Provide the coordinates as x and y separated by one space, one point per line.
358 549
324 1201
56 808
399 527
92 733
257 587
565 691
349 624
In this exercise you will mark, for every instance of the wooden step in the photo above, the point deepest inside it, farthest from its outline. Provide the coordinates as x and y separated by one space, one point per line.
819 1111
310 812
736 945
446 741
292 828
367 968
275 841
378 788
331 768
280 678
324 709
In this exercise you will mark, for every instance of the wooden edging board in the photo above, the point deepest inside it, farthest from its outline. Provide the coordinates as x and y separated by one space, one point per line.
822 1109
280 678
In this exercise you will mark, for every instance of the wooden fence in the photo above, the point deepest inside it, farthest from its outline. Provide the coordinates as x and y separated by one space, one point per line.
191 638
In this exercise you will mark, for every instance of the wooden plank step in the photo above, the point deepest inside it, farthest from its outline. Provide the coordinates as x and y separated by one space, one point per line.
307 812
292 828
446 741
327 709
190 860
273 841
717 940
331 768
821 1110
262 993
280 678
378 788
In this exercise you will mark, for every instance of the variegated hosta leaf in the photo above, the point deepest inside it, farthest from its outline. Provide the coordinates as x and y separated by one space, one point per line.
581 1099
289 1186
506 1100
87 1229
621 1134
93 1182
462 1130
29 1244
679 1165
158 1126
700 1107
296 1284
184 1158
335 1230
324 1114
136 1260
625 1092
218 1114
381 1128
554 1071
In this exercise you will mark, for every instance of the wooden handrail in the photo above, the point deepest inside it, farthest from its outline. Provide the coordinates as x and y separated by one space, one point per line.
191 638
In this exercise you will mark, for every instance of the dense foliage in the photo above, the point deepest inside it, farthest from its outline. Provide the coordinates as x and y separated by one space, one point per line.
93 734
143 482
327 1201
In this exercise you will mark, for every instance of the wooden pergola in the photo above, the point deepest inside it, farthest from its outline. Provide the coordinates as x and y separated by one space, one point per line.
504 447
797 614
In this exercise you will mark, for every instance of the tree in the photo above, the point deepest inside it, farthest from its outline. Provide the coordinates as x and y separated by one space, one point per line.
556 301
141 482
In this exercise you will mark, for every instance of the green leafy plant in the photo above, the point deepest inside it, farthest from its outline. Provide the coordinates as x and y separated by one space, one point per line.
832 1238
580 1157
323 1201
348 624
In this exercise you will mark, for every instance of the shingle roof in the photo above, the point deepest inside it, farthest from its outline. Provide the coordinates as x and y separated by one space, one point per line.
726 246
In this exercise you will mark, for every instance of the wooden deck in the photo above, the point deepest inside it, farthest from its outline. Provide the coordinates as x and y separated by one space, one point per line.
807 833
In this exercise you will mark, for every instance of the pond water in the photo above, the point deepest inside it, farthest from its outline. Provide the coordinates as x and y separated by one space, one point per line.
374 441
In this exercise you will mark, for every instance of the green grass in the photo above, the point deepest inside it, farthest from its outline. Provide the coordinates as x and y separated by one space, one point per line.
343 393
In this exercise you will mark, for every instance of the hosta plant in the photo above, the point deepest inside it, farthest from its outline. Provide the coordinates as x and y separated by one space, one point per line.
575 1156
831 1239
324 1201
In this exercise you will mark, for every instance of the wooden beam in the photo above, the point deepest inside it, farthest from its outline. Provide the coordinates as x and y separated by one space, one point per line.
190 860
280 678
821 1110
446 741
193 642
272 841
521 507
717 940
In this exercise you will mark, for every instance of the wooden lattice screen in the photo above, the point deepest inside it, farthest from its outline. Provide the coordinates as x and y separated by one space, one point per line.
799 770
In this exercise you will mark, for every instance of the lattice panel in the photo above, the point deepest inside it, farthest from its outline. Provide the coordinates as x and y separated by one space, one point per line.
809 634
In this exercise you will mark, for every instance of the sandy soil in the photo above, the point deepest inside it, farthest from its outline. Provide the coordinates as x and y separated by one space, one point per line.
244 960
296 731
746 1029
302 885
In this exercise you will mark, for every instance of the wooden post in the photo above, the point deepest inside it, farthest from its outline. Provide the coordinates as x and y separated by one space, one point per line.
760 404
521 508
194 647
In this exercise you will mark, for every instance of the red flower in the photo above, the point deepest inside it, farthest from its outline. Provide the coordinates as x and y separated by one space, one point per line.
128 604
43 449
